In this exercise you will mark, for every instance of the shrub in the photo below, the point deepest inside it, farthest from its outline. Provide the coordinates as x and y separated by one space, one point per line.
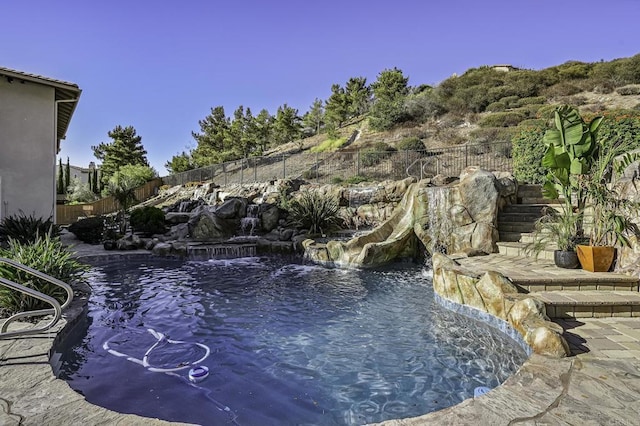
48 255
412 143
562 88
88 230
356 179
510 101
528 150
491 135
502 119
329 145
629 90
337 180
148 220
374 155
314 211
498 106
534 100
26 229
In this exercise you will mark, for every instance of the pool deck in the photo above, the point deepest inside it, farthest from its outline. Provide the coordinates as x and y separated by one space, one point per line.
599 384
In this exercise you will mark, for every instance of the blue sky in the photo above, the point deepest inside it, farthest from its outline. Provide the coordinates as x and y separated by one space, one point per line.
160 66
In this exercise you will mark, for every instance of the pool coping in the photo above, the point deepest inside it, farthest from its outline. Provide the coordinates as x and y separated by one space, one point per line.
543 388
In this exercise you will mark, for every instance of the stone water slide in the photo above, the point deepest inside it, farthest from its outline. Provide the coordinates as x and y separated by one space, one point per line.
459 217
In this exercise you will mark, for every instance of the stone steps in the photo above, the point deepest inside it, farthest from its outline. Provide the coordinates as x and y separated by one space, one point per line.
518 248
590 303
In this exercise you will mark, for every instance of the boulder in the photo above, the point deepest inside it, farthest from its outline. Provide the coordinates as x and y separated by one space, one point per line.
210 227
162 249
174 218
232 208
269 216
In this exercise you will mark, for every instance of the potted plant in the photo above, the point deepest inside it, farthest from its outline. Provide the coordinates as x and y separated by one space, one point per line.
559 229
571 150
611 213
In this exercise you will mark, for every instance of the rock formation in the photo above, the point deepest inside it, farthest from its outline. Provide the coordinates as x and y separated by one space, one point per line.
494 294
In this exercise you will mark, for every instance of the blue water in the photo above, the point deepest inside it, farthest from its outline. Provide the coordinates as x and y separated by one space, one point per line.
290 343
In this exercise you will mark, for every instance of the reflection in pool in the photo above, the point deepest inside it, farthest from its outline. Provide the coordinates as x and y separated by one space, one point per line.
290 343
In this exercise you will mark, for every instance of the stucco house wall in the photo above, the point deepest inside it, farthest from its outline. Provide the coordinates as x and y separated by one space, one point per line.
31 126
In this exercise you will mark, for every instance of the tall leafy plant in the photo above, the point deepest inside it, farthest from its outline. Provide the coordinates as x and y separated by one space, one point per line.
572 149
47 254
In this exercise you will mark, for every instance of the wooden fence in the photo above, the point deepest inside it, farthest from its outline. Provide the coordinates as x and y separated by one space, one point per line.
66 214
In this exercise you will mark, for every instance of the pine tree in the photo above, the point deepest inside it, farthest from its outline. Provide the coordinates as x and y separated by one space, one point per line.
315 117
212 141
125 149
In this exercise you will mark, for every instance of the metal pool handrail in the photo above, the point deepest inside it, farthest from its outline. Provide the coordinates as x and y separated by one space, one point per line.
56 310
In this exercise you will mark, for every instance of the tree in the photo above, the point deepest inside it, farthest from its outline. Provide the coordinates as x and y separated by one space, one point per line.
125 148
336 109
314 118
179 163
60 182
287 126
358 96
389 92
212 139
263 129
67 175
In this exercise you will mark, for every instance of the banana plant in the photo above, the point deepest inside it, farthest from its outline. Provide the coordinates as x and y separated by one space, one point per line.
572 149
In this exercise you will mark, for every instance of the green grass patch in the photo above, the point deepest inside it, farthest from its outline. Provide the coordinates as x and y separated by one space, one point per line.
329 145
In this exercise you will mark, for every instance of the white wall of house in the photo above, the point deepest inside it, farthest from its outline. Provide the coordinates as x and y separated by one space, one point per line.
27 149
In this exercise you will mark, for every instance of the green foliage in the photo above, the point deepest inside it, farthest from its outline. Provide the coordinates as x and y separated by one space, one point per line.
629 90
27 229
329 145
287 125
488 135
412 143
67 175
314 118
315 212
563 88
528 150
560 228
375 154
60 180
79 192
47 255
356 179
148 220
179 163
124 149
136 175
89 230
389 91
337 180
213 137
502 119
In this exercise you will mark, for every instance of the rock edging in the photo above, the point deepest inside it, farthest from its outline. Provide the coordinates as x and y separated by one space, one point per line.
496 295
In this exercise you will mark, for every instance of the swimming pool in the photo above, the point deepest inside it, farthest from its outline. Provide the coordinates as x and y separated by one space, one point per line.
290 343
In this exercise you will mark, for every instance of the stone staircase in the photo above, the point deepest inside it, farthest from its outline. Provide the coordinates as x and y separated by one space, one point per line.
566 293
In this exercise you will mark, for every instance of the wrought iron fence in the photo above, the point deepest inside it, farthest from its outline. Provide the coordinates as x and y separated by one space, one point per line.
351 164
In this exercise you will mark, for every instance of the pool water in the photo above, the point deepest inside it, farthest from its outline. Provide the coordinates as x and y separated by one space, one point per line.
290 343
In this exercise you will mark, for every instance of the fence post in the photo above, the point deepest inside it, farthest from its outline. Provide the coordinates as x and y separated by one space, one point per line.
224 172
358 162
466 157
241 171
317 166
284 167
255 170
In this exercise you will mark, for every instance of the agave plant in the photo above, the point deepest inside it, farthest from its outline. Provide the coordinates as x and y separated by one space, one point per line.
314 211
26 229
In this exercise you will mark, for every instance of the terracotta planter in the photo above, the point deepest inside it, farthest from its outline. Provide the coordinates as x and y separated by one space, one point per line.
566 259
596 258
